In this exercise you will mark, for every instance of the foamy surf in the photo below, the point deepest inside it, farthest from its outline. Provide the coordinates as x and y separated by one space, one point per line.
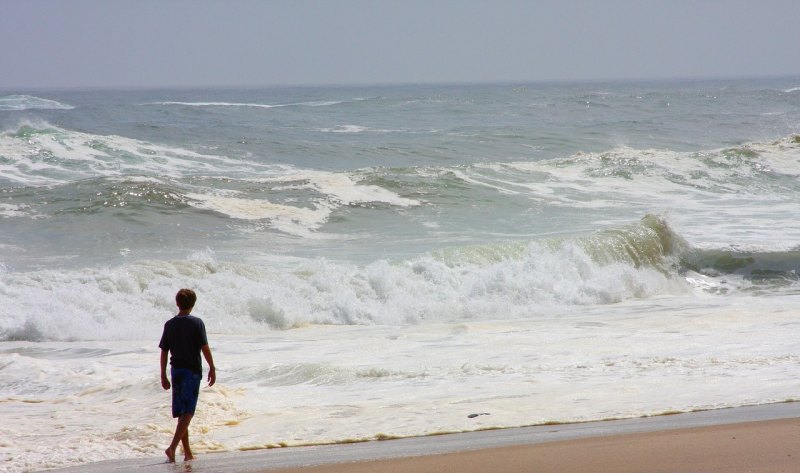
275 390
524 280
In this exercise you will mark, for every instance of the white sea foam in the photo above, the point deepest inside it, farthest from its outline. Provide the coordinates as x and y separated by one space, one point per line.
335 189
318 385
300 221
342 187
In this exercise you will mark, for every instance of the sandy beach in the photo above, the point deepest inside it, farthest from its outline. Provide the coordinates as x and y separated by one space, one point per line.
760 439
765 447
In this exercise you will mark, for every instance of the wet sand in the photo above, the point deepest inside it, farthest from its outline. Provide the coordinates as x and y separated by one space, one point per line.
763 447
762 439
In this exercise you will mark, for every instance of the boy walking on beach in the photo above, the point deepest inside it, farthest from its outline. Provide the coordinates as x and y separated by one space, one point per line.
184 338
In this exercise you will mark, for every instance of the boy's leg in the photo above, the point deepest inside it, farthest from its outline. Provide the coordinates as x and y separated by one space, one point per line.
187 451
181 432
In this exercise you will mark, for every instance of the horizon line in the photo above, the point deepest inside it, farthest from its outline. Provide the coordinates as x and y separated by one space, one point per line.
344 85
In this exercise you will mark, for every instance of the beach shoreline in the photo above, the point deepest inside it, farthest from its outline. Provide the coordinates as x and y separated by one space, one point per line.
763 446
751 438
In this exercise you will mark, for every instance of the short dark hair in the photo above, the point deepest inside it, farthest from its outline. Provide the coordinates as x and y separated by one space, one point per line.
185 298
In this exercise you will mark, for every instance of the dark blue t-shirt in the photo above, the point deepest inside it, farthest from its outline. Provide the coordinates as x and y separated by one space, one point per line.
183 336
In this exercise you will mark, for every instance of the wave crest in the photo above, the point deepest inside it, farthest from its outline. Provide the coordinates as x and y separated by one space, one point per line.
520 280
29 102
536 278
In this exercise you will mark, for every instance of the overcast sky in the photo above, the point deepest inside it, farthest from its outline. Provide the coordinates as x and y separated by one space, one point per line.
144 43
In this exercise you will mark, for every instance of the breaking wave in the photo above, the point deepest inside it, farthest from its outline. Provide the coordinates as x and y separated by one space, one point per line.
522 280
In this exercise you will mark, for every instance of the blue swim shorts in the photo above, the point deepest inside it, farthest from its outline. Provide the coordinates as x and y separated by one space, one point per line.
185 390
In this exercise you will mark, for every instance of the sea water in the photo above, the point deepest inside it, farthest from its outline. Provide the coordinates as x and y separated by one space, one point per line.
387 261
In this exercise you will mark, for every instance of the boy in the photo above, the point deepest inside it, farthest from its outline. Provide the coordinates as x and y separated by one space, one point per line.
185 338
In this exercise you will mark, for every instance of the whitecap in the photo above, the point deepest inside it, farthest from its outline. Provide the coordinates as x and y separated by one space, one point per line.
345 129
321 103
29 102
216 104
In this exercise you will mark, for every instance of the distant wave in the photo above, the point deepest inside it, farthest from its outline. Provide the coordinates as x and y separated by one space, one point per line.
360 129
29 102
793 89
345 129
40 154
216 104
249 105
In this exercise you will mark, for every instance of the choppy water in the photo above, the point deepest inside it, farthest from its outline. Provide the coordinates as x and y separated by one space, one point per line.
389 260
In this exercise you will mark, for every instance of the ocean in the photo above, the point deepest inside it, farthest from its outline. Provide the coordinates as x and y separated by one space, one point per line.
378 262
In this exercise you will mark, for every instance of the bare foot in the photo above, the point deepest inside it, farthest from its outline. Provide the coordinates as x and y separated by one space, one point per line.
188 457
170 455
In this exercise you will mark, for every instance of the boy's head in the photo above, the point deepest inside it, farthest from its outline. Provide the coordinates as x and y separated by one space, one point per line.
185 298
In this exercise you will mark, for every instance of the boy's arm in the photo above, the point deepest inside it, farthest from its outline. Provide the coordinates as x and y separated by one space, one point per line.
212 374
164 380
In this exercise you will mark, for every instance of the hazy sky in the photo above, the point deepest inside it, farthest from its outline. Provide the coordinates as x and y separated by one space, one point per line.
144 43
